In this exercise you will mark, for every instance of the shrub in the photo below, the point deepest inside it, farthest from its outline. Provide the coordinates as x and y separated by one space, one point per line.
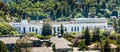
39 36
82 46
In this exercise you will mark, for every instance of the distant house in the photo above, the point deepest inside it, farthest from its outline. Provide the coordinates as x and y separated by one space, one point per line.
10 42
36 43
62 45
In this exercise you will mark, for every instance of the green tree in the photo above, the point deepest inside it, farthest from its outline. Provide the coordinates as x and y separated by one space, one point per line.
62 29
118 38
96 36
103 5
87 36
46 29
3 47
115 13
100 15
37 9
115 25
107 47
14 33
56 6
6 28
58 13
0 34
92 12
106 33
82 45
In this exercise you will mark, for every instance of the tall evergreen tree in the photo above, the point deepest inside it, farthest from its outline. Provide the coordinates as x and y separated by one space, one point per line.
87 36
118 25
62 29
107 47
46 29
3 47
115 25
96 36
59 12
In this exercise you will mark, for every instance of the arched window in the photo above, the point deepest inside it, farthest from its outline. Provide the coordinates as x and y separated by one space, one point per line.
29 29
71 28
78 28
75 28
24 30
65 28
58 28
32 29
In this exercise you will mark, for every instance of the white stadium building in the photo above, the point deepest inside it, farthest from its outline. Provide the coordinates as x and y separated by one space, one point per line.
75 25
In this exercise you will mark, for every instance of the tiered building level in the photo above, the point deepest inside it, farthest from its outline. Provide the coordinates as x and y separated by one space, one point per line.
75 25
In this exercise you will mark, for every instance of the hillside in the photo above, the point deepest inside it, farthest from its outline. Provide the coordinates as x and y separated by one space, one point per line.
59 9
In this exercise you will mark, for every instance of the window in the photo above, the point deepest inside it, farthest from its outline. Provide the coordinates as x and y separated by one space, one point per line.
75 28
29 29
82 28
65 28
24 30
78 28
71 28
19 28
32 29
57 28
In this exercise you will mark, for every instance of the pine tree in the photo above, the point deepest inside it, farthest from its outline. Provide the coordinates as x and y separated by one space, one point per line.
62 29
115 25
3 47
118 25
87 36
107 47
96 36
46 29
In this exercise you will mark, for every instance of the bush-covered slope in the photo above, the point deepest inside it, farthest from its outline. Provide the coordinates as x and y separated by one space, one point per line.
61 9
